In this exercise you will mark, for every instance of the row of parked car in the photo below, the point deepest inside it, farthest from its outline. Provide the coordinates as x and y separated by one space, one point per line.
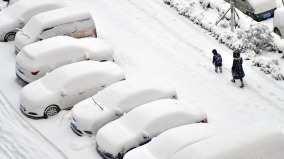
63 72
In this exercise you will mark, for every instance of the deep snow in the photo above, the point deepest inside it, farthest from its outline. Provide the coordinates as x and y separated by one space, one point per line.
150 39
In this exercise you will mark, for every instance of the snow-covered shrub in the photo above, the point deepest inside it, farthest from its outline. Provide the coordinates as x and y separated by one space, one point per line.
257 38
269 67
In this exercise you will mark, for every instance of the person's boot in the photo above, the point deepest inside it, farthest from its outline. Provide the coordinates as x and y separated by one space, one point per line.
242 85
233 80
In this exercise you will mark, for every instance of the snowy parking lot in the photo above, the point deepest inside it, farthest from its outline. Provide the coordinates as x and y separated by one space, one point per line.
152 40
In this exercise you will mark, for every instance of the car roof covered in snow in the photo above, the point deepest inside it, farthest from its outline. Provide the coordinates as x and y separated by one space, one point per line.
80 72
251 142
147 120
66 45
261 6
171 141
60 16
128 94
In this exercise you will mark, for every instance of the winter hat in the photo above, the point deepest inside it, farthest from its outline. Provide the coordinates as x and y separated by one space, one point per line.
214 51
236 53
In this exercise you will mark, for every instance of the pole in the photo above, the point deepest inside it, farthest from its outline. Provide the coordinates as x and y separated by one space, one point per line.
232 16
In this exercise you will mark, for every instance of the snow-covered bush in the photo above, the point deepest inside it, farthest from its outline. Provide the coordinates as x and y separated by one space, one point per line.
257 38
269 67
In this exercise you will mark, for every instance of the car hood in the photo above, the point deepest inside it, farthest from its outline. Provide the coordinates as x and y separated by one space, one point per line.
36 95
89 115
22 40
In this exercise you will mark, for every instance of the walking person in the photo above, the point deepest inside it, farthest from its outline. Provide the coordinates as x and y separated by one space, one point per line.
237 68
217 61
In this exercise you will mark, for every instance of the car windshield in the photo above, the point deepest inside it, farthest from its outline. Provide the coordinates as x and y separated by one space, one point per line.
32 28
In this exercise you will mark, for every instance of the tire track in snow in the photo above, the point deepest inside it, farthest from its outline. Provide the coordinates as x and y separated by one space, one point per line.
18 140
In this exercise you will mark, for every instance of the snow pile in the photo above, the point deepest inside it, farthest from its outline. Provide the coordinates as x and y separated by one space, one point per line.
249 36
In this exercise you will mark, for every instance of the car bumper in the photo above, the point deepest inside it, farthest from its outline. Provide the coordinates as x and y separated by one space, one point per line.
264 15
75 130
103 154
26 82
28 114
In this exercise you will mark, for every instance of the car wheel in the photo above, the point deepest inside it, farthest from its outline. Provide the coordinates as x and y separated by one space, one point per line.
51 111
10 36
277 31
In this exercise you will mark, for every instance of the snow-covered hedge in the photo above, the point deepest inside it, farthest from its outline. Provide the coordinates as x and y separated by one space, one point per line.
251 37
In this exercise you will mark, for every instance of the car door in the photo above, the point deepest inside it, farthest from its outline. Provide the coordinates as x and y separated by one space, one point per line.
71 94
65 29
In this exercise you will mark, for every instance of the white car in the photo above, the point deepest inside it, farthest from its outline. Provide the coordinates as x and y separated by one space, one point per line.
278 22
66 86
68 21
5 3
91 114
17 15
143 123
39 58
257 141
172 141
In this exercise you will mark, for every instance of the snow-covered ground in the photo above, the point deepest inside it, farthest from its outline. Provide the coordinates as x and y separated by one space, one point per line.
150 39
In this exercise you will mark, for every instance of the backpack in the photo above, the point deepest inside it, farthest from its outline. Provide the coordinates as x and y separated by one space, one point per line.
218 59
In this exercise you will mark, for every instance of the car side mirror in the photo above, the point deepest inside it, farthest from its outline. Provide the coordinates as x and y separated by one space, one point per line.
63 93
118 112
22 21
87 56
145 135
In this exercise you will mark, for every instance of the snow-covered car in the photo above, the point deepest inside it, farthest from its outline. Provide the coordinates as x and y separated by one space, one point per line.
256 9
68 21
88 116
5 3
278 22
143 123
66 86
37 59
17 15
172 141
252 142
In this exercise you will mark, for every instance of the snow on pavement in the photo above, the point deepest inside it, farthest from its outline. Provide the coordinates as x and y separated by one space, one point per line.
19 140
151 40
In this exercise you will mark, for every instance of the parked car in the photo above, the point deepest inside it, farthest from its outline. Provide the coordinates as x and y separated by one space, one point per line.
172 141
5 3
17 15
143 123
37 59
91 114
256 9
278 22
68 21
255 141
66 86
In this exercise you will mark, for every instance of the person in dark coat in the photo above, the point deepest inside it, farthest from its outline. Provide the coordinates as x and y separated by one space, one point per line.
237 68
217 61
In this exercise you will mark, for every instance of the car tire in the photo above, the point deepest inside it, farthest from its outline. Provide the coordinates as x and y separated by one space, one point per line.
277 31
51 111
10 36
